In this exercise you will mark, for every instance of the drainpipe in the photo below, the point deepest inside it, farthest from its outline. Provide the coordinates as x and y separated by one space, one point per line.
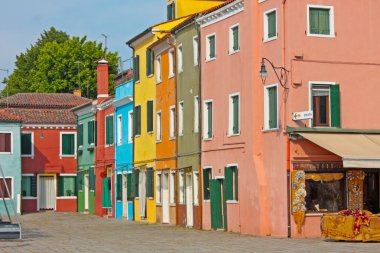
288 184
283 64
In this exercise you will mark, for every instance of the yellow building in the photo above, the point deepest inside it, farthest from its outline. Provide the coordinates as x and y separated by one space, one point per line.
143 179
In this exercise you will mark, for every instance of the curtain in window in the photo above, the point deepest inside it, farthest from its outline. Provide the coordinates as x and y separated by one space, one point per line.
319 20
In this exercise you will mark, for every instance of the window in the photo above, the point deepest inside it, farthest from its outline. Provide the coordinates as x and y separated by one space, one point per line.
136 68
149 183
206 183
68 144
149 62
325 192
158 188
172 122
171 63
3 187
210 47
109 130
231 183
135 182
6 140
270 107
137 121
196 188
181 187
180 118
195 50
270 25
207 125
79 133
234 114
66 186
119 187
130 126
196 114
159 126
325 105
149 115
159 71
172 187
129 187
119 130
91 178
91 132
29 186
321 21
27 144
180 58
171 11
234 39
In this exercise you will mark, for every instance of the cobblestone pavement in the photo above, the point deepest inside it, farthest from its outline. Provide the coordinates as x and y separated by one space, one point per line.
58 232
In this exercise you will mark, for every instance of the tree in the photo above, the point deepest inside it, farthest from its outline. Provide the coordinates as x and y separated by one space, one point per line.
50 65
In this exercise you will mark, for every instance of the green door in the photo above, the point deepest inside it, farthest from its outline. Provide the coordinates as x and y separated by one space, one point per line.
106 193
216 204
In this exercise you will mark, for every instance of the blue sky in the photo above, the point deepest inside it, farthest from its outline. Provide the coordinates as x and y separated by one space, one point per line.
22 21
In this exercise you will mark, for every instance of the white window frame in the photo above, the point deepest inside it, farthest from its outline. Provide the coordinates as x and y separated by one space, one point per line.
172 120
231 38
8 132
266 25
138 135
130 126
12 187
233 184
205 121
180 58
230 114
196 50
27 175
196 188
332 23
60 144
180 118
196 114
203 196
158 69
266 108
158 188
171 63
66 175
119 130
105 130
159 126
172 187
181 186
208 58
32 141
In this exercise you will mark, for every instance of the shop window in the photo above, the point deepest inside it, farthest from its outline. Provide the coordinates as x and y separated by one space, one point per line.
66 186
29 186
326 105
4 193
206 183
5 143
325 192
27 144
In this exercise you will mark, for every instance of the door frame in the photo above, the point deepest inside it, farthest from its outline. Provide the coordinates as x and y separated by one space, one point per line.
223 203
165 173
38 189
189 174
124 198
86 192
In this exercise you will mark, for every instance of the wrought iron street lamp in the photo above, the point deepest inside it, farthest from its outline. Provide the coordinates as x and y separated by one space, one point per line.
281 73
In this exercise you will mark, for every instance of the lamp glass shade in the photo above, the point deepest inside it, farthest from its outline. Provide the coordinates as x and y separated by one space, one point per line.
263 71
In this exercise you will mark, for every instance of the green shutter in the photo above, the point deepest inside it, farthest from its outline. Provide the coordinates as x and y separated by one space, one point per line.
109 130
235 33
212 46
235 105
216 204
68 144
228 183
272 31
149 62
209 118
26 144
96 132
150 116
272 107
135 183
80 135
236 183
149 183
60 187
319 21
33 183
92 179
136 68
119 187
138 121
79 181
90 132
170 11
206 184
106 196
129 187
335 105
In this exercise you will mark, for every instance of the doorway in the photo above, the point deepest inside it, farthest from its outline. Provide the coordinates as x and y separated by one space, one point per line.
218 205
189 200
371 196
47 194
86 191
124 198
165 198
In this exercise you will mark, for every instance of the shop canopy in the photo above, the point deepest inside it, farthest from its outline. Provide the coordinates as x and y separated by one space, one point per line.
356 149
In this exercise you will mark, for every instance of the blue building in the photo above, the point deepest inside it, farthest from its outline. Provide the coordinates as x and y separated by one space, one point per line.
124 145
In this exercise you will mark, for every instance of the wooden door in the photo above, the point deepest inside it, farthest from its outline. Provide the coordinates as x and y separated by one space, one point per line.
216 204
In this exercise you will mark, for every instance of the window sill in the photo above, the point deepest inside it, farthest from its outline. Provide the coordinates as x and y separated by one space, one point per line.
171 76
67 197
67 156
159 204
158 141
137 136
210 59
130 142
150 198
28 156
206 200
149 76
232 52
31 198
233 135
269 39
158 82
172 138
270 130
6 153
172 205
196 64
232 202
137 82
151 132
180 71
208 139
321 35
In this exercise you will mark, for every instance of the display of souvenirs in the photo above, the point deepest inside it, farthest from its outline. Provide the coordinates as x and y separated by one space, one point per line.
298 198
355 180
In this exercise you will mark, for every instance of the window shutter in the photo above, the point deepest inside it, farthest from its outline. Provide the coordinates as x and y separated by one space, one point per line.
26 144
212 46
170 11
235 32
129 187
119 182
96 132
228 183
91 179
206 184
235 104
149 183
335 105
272 107
107 130
90 132
111 130
209 116
60 186
313 21
80 135
148 62
135 183
136 68
324 21
79 181
139 120
272 24
236 183
68 144
150 116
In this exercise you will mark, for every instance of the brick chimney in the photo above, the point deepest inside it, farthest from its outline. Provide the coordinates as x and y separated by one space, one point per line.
77 92
102 79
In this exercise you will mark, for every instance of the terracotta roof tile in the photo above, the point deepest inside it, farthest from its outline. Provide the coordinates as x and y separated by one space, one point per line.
7 117
44 116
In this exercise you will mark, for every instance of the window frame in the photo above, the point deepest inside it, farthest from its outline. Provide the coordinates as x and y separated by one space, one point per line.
196 50
231 39
105 130
12 186
134 130
196 114
208 48
195 188
171 63
32 143
266 108
172 192
28 175
180 58
181 195
11 152
130 126
57 182
266 25
235 188
203 182
152 118
158 69
205 122
93 132
181 118
231 114
332 18
158 188
172 123
119 130
60 144
158 127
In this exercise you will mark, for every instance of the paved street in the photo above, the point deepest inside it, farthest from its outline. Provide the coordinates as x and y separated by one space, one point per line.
57 232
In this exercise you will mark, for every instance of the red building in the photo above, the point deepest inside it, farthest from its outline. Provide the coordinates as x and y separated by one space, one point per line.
105 149
48 149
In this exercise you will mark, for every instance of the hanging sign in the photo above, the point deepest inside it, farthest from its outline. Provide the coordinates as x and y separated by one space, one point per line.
302 115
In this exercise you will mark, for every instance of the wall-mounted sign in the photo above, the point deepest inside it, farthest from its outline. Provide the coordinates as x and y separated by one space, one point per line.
302 115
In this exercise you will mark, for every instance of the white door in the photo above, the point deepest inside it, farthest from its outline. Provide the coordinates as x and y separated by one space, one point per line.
189 201
86 190
125 201
47 194
165 198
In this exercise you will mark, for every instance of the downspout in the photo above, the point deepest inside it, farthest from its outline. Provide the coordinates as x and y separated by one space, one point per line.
283 64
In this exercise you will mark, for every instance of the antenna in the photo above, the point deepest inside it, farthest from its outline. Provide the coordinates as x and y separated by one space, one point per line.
105 45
